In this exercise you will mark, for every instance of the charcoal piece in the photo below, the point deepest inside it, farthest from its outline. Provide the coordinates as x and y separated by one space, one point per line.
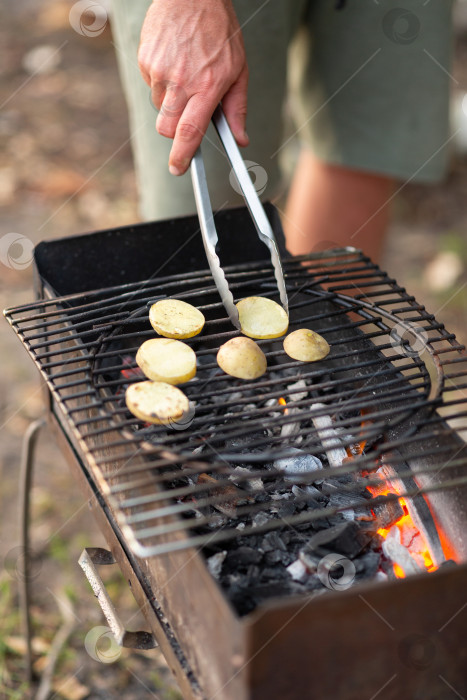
336 519
314 525
346 538
448 564
333 486
313 583
270 573
275 590
315 493
340 499
272 542
306 497
387 514
215 563
387 567
278 557
242 600
253 541
246 481
286 509
242 558
298 466
261 497
367 565
260 519
243 442
252 574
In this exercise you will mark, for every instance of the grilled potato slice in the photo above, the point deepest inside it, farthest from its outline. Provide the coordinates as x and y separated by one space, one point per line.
156 402
174 318
167 360
262 318
306 345
242 358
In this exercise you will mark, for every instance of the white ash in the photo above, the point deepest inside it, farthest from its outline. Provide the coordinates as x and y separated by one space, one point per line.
216 521
255 484
299 396
280 496
381 576
215 563
397 553
297 571
329 437
289 430
298 463
260 519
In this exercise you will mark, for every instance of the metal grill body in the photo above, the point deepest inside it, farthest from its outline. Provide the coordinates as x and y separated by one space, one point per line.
394 381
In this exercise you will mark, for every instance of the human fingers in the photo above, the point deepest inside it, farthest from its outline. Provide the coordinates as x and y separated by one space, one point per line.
172 102
189 133
234 104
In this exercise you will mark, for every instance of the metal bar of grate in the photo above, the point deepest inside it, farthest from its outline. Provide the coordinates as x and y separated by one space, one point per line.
382 386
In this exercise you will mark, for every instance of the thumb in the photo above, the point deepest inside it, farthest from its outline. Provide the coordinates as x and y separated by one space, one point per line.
234 104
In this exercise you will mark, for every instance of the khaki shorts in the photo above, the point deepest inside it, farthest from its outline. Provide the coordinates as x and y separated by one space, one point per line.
367 88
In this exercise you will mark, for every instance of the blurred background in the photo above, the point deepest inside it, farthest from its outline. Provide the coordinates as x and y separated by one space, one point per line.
66 167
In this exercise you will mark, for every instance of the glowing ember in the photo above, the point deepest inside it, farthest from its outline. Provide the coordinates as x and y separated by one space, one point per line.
411 537
129 370
282 402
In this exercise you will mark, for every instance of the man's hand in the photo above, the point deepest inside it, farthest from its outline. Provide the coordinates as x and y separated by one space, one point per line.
192 56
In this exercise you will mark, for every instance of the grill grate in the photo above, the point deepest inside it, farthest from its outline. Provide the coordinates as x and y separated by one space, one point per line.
394 377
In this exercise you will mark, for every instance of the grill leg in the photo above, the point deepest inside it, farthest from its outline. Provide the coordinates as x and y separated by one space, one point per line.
26 469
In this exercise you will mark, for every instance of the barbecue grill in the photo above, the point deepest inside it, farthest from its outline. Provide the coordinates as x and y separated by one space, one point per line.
301 469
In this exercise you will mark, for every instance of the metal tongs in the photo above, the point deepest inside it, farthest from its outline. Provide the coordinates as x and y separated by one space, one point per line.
206 219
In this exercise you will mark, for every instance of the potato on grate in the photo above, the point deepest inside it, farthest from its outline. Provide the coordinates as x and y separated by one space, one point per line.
167 360
174 318
262 318
156 402
306 345
242 358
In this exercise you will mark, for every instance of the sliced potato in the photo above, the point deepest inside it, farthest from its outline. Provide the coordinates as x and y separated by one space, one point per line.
306 345
167 360
174 318
262 318
242 358
156 402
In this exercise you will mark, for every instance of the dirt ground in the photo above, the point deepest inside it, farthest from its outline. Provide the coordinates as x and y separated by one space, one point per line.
67 168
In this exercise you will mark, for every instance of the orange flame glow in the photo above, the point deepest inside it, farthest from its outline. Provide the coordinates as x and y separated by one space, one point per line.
410 536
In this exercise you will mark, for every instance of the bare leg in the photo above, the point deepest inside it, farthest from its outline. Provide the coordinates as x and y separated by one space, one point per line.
332 206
